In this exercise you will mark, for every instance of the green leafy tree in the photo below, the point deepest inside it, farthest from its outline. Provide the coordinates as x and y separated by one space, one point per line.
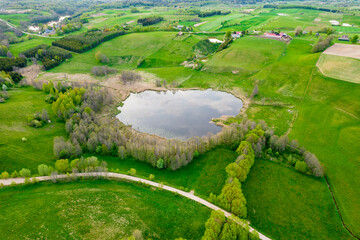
14 174
44 170
160 163
62 165
354 39
25 173
5 175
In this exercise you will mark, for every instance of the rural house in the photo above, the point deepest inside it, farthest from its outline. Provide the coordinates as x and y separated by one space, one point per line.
275 35
344 38
236 35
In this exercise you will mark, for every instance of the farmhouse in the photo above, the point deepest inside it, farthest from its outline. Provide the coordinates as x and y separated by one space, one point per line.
276 35
236 35
180 27
344 38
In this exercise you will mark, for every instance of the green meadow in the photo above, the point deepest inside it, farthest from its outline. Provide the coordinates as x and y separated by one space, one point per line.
16 154
98 209
285 204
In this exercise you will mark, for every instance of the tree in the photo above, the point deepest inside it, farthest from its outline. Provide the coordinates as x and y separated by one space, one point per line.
160 163
44 170
62 165
122 152
25 173
301 166
3 50
4 175
298 31
132 171
255 91
14 174
228 34
44 115
9 54
354 39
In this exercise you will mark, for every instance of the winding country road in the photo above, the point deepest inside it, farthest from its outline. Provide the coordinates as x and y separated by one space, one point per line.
12 26
191 196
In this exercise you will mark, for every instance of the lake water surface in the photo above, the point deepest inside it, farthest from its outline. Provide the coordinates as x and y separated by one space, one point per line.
177 114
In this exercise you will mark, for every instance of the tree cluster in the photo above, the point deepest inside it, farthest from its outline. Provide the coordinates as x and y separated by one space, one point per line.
217 227
213 13
7 64
322 44
149 20
68 103
103 70
38 119
130 77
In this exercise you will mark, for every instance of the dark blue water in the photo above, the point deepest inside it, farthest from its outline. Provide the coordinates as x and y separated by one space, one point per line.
178 114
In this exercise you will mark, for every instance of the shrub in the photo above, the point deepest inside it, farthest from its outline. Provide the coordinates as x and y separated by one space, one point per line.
14 174
62 165
44 170
301 166
25 173
132 171
151 176
4 175
160 163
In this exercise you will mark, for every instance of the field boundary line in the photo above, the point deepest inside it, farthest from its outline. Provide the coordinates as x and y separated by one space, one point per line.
338 209
188 195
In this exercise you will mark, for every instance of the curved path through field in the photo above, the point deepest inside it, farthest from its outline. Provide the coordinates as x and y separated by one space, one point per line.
191 196
33 34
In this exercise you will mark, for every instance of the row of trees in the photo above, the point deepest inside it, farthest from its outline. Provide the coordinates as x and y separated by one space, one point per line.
218 227
86 41
213 13
322 44
22 173
231 198
149 20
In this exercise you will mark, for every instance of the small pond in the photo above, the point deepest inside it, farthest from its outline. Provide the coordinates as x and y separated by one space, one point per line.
178 114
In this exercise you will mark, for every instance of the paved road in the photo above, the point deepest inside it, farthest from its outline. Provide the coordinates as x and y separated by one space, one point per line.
136 179
12 26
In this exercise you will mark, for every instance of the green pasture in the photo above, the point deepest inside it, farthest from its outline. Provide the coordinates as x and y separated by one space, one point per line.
285 204
246 55
97 209
17 48
14 153
124 52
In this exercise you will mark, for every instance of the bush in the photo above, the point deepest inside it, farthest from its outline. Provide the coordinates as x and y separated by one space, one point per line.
4 175
301 166
151 176
62 165
44 170
14 174
132 171
160 163
149 20
25 173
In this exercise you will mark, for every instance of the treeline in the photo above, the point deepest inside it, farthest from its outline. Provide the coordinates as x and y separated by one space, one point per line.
213 13
7 64
218 227
50 56
231 198
301 7
322 44
86 41
45 19
149 20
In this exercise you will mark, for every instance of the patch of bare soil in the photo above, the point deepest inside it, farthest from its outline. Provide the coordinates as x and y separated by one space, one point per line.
344 50
30 73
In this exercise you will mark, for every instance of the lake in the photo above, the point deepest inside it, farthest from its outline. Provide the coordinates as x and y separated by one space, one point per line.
178 114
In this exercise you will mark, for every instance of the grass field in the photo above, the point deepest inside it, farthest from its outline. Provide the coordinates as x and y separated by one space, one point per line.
15 154
124 52
246 55
285 204
205 174
338 67
97 209
17 48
